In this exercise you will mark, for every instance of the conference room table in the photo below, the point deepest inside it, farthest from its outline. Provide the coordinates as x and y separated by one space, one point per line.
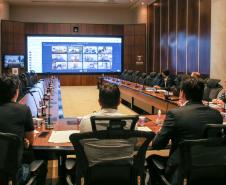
144 97
59 150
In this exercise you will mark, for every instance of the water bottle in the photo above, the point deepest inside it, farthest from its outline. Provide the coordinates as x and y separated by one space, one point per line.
158 119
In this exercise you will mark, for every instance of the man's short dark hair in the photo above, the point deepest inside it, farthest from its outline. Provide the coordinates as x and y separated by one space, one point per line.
166 72
109 96
193 89
8 87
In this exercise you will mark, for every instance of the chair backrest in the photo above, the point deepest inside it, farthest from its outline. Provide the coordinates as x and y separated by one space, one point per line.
112 170
214 130
212 89
204 161
10 156
113 122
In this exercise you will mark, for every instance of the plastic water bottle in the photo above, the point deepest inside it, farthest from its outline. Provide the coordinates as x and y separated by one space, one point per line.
158 119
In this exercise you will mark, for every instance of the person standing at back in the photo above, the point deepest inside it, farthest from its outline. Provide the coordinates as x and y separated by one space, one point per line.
185 122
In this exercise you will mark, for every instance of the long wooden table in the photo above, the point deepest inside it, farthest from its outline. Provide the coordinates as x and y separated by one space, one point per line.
143 96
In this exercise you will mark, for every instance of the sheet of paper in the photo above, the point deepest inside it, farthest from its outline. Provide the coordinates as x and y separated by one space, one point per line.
224 123
146 129
61 136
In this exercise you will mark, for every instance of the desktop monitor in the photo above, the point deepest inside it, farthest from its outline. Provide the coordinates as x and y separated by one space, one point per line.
13 61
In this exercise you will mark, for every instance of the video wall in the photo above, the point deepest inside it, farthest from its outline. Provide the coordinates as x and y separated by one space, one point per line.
78 54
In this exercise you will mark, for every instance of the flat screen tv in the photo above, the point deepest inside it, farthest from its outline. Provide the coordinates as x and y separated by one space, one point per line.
74 54
13 61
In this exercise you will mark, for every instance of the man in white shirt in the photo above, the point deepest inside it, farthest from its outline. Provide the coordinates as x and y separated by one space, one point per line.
107 150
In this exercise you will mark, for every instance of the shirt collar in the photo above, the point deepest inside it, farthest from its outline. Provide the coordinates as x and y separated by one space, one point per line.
108 110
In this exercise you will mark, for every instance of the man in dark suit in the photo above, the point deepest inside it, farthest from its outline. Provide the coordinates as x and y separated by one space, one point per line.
165 80
185 122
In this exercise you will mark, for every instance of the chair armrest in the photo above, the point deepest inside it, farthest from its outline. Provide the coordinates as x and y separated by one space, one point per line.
35 165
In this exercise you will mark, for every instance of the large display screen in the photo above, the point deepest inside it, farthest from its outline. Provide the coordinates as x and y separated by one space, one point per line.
13 61
74 54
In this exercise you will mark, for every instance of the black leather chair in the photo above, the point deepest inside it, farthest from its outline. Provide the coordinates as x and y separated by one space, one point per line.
203 162
11 159
135 76
141 79
113 122
123 74
149 79
214 130
128 75
123 171
212 89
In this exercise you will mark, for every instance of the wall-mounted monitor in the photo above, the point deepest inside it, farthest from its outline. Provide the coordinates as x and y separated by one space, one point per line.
74 54
13 61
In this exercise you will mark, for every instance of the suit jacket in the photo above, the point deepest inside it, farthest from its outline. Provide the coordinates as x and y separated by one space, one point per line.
187 122
168 84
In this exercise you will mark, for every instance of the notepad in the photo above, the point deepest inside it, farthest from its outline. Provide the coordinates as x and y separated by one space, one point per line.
61 136
146 129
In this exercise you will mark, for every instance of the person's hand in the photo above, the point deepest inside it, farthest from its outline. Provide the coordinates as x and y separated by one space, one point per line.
157 87
26 143
218 101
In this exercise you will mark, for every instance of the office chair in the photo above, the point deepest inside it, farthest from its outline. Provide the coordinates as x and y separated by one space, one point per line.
212 89
11 159
141 79
214 130
104 123
113 122
120 170
202 162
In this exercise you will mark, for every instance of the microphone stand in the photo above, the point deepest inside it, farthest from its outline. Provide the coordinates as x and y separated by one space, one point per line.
34 101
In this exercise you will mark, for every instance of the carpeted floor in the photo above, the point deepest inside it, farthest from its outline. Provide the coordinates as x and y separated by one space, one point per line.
83 100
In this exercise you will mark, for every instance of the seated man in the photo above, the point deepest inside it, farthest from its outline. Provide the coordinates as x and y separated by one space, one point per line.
195 74
109 100
222 96
186 122
166 80
15 118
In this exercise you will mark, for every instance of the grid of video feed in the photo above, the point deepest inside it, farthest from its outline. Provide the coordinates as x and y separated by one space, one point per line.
81 57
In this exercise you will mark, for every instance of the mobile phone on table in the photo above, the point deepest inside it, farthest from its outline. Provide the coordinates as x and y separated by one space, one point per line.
43 134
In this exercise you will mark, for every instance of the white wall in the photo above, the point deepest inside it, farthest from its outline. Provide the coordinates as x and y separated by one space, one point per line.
4 14
140 14
75 14
218 40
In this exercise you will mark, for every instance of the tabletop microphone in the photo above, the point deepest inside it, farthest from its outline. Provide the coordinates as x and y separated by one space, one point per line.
32 95
40 89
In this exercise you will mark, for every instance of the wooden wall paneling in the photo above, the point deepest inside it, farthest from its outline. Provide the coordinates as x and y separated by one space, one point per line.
192 35
205 35
128 47
19 45
157 37
172 58
181 36
90 29
150 44
140 46
164 34
117 29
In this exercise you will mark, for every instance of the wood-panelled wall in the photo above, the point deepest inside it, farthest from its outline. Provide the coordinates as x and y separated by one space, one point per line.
179 36
14 35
